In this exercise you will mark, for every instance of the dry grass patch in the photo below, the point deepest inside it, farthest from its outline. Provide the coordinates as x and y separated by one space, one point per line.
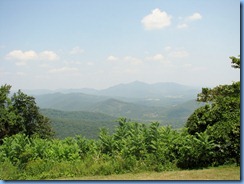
218 173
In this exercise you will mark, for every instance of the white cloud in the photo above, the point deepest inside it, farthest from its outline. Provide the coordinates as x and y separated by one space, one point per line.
195 16
20 55
112 58
76 50
179 54
48 55
156 20
23 56
184 22
63 70
182 26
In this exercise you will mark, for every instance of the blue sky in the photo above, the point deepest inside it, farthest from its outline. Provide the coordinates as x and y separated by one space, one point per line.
99 43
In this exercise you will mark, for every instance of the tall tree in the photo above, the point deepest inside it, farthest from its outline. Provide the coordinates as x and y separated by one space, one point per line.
220 118
20 114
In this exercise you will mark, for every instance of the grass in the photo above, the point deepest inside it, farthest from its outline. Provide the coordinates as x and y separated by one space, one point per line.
214 173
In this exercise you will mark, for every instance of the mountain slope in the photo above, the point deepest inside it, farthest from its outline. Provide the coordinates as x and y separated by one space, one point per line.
143 90
118 108
167 103
71 123
159 94
135 89
68 102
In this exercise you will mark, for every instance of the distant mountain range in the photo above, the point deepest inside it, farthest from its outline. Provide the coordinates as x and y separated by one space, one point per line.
135 89
167 103
134 92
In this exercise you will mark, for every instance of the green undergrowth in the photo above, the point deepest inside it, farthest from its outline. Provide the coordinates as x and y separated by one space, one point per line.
40 169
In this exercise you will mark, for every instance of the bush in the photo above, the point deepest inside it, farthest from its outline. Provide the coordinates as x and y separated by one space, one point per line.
8 171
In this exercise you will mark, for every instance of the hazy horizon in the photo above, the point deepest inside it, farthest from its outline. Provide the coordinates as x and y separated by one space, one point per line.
97 44
93 88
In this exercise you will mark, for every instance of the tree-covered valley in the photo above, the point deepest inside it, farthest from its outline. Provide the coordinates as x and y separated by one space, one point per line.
142 128
83 111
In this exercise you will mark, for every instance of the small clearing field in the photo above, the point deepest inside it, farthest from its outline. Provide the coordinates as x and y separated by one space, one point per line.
213 173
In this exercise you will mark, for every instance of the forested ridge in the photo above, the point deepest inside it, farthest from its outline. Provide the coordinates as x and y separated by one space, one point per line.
69 124
72 123
210 137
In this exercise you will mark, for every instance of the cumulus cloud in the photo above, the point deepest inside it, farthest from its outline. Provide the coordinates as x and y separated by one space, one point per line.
76 50
184 23
63 70
21 55
112 58
195 16
156 20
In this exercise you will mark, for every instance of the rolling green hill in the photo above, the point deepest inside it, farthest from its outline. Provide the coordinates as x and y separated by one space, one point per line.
119 108
71 123
74 112
82 123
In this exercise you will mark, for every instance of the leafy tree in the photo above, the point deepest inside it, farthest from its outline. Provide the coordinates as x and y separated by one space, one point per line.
236 62
195 151
107 142
20 114
10 122
220 118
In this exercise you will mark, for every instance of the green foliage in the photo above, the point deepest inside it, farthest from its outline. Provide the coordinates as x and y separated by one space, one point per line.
19 114
133 147
87 124
236 62
8 171
219 119
195 151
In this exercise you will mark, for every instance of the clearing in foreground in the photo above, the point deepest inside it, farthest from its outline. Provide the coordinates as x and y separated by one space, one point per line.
217 173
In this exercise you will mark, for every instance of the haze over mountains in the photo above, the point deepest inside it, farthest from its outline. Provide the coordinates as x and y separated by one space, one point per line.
134 89
125 98
167 103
